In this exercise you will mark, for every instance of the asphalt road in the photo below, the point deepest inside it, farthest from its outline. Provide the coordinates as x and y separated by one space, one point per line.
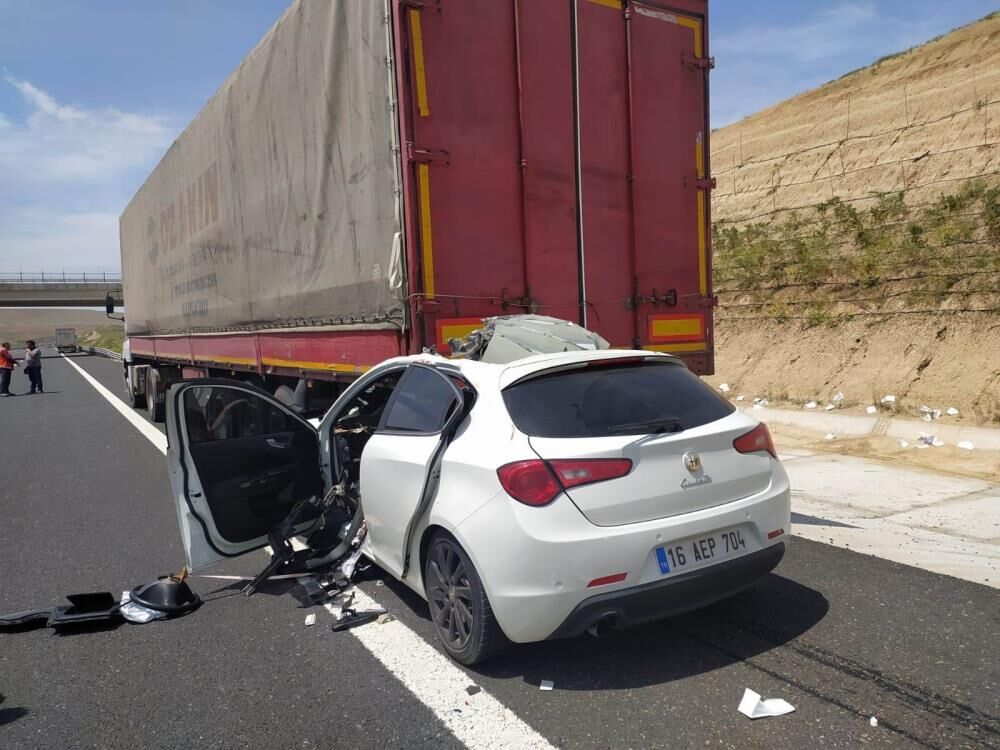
85 506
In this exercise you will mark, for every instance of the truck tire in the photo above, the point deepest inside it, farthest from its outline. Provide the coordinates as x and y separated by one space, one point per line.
135 400
153 409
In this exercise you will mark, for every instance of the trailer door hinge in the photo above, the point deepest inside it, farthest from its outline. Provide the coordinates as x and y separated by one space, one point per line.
705 63
434 5
426 155
707 183
712 301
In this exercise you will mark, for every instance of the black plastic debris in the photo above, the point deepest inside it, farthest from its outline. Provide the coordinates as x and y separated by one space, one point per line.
169 594
99 609
351 618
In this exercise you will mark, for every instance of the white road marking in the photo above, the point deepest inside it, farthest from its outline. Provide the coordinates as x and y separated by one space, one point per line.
154 436
478 721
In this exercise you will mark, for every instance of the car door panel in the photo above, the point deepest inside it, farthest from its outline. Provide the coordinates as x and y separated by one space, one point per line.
400 462
239 461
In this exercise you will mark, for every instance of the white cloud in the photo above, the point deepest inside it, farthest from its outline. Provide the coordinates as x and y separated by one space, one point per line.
761 65
66 172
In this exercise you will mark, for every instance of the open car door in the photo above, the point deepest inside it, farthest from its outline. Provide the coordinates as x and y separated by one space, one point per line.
239 461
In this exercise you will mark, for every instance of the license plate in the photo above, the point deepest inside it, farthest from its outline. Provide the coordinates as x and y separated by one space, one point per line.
698 552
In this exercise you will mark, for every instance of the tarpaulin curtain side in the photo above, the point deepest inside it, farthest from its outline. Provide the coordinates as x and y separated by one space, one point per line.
278 203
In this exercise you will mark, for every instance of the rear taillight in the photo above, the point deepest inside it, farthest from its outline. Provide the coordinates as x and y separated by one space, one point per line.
538 482
758 439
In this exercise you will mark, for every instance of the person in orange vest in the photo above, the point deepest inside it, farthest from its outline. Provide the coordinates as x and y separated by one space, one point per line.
7 365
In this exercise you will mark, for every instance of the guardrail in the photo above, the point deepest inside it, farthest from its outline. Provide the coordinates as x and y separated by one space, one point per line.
61 277
101 352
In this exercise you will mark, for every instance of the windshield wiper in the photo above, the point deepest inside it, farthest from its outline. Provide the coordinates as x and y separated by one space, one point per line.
660 424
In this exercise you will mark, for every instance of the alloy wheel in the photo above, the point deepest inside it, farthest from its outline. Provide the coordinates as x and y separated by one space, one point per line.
450 595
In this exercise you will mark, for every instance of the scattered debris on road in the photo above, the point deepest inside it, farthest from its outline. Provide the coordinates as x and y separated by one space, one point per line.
951 411
473 689
927 441
871 409
810 405
725 388
310 619
546 685
829 407
873 721
753 707
965 445
136 612
830 436
887 400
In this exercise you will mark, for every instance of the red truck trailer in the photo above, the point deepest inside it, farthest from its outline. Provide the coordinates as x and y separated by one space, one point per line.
378 176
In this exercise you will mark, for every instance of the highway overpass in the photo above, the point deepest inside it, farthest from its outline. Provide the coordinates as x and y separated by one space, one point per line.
59 289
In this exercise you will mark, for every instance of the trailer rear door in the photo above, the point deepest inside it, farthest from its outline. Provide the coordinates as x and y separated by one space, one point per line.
555 162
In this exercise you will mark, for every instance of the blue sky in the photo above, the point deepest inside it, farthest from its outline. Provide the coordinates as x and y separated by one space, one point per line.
92 93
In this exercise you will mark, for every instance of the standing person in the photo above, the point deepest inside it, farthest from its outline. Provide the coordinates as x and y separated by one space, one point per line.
32 365
7 365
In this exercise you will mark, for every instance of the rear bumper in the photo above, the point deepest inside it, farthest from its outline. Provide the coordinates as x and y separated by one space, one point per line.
673 596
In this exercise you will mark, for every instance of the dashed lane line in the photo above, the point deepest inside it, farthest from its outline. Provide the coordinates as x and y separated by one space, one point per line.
479 721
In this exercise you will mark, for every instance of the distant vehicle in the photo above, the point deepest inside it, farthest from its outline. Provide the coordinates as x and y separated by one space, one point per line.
526 501
66 340
447 163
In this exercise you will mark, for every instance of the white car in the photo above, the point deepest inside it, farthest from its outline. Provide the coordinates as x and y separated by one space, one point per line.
539 499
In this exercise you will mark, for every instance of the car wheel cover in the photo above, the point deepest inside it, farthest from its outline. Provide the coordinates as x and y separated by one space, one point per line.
450 596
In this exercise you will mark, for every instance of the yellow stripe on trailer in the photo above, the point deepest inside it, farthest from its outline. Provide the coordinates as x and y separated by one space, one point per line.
416 31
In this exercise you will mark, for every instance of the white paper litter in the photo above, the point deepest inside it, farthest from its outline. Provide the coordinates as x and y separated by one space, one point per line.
952 411
965 445
888 399
830 436
839 396
740 398
873 721
752 706
347 567
903 444
871 409
756 399
311 619
810 405
930 414
136 612
829 407
724 387
546 685
763 402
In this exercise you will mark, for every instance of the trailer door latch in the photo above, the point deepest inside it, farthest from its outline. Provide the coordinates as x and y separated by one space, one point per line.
426 155
705 183
705 63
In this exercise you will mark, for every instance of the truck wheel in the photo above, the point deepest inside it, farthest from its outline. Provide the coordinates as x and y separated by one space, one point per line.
459 607
135 400
153 409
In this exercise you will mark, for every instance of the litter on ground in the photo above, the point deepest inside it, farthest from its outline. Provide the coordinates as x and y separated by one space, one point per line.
754 707
546 685
724 388
873 721
871 409
965 445
890 399
830 436
952 411
903 444
740 397
810 405
829 407
839 396
310 619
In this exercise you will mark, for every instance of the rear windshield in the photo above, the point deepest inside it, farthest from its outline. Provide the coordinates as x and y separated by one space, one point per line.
629 399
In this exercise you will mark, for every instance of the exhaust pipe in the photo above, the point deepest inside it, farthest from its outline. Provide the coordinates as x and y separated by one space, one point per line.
603 626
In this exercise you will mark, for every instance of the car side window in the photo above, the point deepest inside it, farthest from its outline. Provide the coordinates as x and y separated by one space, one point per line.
421 405
213 414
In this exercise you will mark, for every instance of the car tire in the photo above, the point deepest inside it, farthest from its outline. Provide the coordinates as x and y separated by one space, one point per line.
460 609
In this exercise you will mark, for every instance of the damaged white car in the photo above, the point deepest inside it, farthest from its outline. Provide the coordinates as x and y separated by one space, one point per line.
534 499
